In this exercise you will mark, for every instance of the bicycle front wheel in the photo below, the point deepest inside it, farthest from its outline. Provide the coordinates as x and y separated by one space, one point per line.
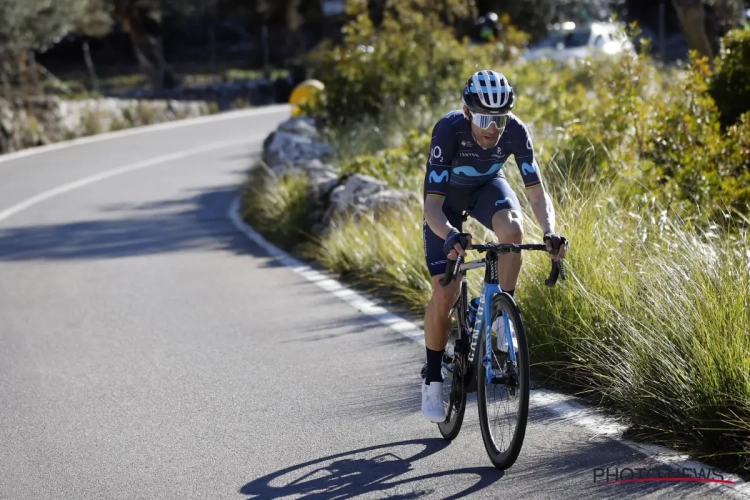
503 401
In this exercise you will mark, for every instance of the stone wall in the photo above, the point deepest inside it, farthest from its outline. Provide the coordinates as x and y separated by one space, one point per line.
35 121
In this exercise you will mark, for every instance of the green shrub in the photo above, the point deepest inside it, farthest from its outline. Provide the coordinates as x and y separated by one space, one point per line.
401 166
730 86
688 161
412 57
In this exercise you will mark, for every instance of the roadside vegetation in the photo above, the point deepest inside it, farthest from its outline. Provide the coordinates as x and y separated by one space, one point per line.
649 168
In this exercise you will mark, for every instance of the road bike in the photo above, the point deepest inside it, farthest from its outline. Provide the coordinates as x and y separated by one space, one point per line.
505 373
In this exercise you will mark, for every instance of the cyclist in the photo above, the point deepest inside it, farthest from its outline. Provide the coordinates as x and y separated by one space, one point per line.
465 173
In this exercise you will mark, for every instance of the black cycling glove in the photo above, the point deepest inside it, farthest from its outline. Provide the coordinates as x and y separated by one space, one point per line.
556 240
454 236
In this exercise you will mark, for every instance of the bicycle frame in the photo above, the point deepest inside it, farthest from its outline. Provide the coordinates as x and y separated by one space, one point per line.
483 320
490 288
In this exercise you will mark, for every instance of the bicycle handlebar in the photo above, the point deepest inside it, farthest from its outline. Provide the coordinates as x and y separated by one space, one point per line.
451 269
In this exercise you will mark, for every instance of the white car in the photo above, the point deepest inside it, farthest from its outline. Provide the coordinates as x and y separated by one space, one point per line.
568 41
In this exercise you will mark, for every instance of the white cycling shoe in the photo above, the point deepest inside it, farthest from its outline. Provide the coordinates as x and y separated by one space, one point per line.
432 402
502 340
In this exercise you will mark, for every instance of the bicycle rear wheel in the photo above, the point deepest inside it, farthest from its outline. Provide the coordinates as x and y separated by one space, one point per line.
509 384
456 403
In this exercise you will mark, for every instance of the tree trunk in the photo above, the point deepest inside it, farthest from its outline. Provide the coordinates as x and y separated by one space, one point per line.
147 49
6 72
294 22
90 66
693 21
22 71
212 47
34 72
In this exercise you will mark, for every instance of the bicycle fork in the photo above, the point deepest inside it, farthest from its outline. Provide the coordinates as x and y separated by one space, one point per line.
483 323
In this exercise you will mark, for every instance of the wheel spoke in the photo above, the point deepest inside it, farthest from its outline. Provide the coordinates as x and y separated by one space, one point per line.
503 392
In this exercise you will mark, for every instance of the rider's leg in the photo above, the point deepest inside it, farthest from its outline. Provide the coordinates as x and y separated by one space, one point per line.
437 315
437 323
508 227
498 209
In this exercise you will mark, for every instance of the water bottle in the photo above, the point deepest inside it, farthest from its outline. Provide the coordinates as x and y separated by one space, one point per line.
473 306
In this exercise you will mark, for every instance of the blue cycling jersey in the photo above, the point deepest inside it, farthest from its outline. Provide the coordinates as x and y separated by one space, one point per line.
456 160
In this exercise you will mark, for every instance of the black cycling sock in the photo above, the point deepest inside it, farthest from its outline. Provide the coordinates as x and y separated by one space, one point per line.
511 292
434 365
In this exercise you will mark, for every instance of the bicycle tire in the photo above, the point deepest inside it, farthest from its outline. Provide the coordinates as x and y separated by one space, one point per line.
505 459
454 417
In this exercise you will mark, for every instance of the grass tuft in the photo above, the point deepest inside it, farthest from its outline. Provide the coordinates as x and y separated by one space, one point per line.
279 206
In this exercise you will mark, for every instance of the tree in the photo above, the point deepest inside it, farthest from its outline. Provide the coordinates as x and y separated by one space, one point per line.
36 24
32 25
141 20
693 20
96 22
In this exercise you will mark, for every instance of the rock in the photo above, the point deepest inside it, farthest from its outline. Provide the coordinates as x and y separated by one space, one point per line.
288 148
325 188
362 194
388 198
296 146
320 173
354 192
323 176
302 125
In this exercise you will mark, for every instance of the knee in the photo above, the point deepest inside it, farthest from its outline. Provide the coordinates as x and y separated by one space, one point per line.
509 229
443 298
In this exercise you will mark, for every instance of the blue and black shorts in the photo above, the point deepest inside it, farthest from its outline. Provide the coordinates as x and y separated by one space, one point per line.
481 203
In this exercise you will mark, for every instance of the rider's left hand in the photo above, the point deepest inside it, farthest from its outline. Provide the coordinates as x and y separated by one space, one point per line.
557 246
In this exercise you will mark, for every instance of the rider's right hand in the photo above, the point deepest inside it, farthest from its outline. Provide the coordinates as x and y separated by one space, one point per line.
455 243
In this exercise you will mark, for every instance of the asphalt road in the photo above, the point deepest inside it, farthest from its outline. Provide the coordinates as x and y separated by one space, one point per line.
149 350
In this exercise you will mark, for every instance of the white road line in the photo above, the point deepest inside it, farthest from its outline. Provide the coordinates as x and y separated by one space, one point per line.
565 407
46 195
187 122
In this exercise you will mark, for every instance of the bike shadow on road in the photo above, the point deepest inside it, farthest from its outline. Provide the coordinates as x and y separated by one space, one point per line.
387 469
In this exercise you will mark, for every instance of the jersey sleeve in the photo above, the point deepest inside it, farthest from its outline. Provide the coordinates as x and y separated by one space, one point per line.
442 149
523 151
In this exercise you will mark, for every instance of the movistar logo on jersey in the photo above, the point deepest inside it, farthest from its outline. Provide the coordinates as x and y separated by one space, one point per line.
527 169
437 179
469 171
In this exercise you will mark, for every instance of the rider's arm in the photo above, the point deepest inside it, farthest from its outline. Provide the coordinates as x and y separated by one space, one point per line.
539 199
541 204
437 176
436 219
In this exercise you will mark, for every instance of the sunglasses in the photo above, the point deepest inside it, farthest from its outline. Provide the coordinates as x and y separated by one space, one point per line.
484 121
